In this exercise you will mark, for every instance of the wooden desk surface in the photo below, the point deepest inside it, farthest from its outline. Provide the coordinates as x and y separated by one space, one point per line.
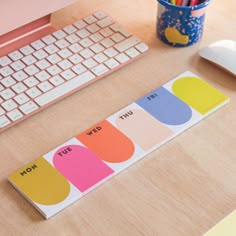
183 188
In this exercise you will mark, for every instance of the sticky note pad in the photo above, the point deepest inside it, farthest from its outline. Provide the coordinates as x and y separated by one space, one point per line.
68 172
226 227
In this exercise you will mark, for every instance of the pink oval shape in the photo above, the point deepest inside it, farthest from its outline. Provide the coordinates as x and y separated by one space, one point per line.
80 166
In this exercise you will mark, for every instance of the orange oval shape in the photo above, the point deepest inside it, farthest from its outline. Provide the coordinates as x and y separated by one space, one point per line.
107 142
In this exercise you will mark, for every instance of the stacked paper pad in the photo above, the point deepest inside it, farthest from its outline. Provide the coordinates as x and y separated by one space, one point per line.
71 170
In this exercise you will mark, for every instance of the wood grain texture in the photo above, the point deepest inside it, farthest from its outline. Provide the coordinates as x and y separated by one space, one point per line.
181 189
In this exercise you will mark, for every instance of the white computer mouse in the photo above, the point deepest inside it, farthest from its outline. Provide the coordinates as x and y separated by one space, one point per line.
221 53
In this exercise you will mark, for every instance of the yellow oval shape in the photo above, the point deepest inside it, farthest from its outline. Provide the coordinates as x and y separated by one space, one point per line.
198 94
41 183
174 36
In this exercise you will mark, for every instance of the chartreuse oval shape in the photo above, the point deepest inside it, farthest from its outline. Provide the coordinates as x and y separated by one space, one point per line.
198 94
41 183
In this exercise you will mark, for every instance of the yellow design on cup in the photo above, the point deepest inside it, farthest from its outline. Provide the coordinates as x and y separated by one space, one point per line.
198 94
41 183
174 36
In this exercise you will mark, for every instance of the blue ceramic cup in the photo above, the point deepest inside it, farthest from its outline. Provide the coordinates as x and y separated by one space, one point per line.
180 26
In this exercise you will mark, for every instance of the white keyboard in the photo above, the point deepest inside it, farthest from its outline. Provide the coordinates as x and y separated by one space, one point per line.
45 71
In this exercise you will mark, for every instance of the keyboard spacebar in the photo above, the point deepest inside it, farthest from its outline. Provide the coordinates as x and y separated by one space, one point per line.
64 88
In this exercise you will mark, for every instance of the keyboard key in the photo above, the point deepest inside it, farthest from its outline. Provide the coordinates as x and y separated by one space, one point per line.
16 55
110 52
65 64
42 76
28 107
99 70
31 70
107 42
93 28
1 111
43 64
79 69
117 28
96 37
54 58
96 48
4 61
64 89
49 39
21 98
7 94
19 88
57 80
50 49
64 53
27 50
45 86
75 48
17 65
126 44
117 37
89 63
38 44
31 82
59 34
75 59
15 115
40 54
69 29
86 53
86 42
73 38
80 24
20 75
100 58
33 92
9 105
4 121
106 32
122 58
6 71
132 52
29 60
54 70
142 47
68 74
100 14
112 63
8 81
62 43
83 33
90 19
105 22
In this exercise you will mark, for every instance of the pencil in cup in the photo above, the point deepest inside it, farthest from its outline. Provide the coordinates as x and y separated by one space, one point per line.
180 26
